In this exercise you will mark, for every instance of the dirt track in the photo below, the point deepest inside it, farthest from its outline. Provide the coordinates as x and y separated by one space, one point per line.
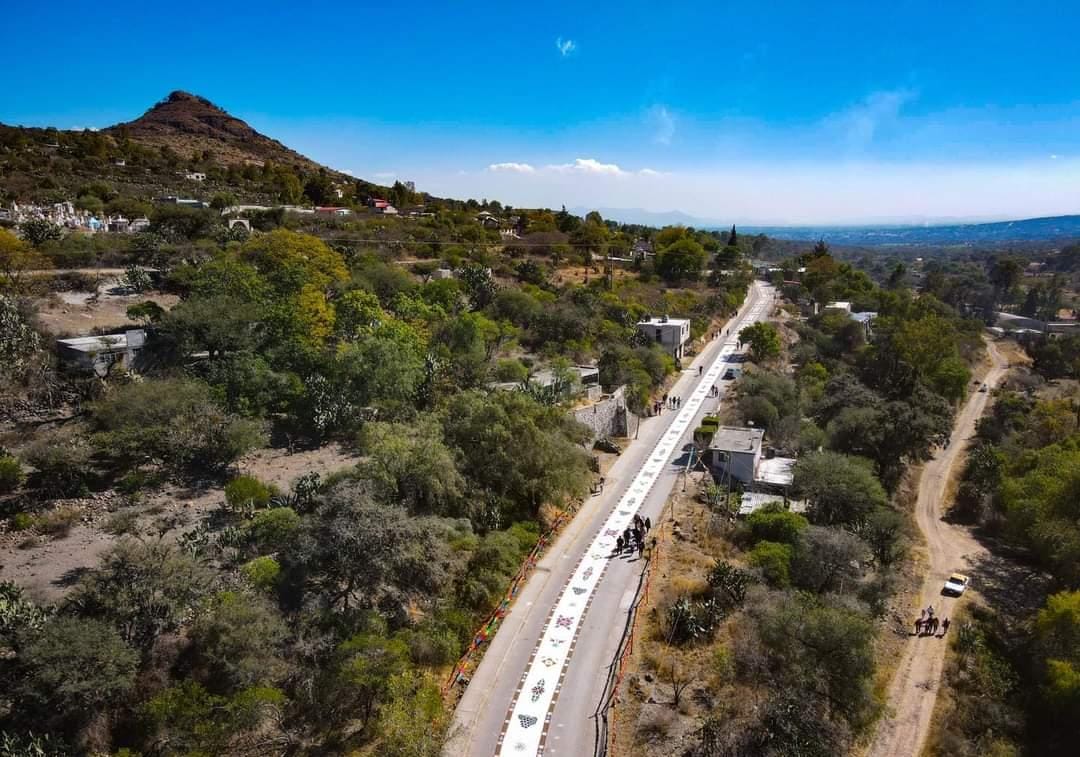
949 548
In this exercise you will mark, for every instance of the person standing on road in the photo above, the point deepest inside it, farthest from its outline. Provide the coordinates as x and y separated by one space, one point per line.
618 545
944 627
648 524
700 370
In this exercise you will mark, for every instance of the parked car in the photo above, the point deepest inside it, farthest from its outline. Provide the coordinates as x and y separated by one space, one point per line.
729 374
955 585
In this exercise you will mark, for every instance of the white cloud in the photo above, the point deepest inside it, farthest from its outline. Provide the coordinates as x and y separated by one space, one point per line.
1054 156
663 122
565 46
512 167
384 175
580 166
786 191
859 124
348 172
589 166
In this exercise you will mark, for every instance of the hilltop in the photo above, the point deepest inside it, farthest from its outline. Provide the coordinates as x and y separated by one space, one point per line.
192 125
184 145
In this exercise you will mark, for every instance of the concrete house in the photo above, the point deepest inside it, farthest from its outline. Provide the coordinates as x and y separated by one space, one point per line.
736 455
671 333
102 354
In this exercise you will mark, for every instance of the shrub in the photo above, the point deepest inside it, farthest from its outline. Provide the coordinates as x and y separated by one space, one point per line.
58 523
122 522
11 474
431 645
511 370
262 572
774 561
248 492
169 422
274 528
775 524
137 480
21 521
63 462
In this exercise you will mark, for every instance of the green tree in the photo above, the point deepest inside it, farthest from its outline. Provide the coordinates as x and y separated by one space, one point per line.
1057 633
411 464
290 261
237 642
365 668
38 231
17 258
413 699
827 560
74 667
355 552
822 649
776 524
144 588
19 341
774 561
170 422
841 490
681 261
764 340
186 719
491 433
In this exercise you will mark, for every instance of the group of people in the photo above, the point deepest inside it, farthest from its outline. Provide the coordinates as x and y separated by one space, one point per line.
928 623
715 391
633 538
673 403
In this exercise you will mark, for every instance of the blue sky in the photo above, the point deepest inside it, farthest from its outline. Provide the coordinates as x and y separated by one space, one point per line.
748 112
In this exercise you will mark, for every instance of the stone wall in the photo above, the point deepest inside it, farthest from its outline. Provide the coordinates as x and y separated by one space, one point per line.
606 417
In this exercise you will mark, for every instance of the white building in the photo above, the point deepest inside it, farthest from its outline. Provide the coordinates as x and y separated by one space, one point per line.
102 354
671 333
735 455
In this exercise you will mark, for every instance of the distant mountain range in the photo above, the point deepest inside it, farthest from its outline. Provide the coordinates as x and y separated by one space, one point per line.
1026 230
1030 229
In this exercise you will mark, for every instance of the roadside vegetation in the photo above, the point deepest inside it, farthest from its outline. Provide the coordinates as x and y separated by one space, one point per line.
767 642
1012 679
320 614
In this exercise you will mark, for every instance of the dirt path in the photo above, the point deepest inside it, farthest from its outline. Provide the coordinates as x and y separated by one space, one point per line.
949 548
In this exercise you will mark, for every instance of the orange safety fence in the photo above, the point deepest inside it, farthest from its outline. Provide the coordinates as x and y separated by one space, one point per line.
490 625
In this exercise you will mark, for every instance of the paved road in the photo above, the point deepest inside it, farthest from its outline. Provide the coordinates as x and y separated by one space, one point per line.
950 548
542 676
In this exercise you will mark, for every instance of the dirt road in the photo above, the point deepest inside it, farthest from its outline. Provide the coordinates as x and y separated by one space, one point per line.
950 548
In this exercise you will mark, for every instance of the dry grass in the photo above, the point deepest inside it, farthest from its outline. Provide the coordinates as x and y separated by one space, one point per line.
646 721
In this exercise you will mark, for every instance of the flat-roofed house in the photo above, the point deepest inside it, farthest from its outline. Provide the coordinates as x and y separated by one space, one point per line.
736 454
102 354
670 333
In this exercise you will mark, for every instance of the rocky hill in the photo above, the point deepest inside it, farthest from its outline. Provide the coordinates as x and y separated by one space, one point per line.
184 145
193 126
